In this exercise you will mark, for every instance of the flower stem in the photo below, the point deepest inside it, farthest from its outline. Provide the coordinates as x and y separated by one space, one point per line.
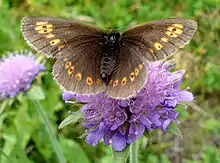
134 152
48 126
121 157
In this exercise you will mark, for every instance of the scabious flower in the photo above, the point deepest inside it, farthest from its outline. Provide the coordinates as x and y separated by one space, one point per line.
17 71
121 122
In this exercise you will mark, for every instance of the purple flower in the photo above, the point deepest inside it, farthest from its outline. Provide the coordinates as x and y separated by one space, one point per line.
121 122
17 72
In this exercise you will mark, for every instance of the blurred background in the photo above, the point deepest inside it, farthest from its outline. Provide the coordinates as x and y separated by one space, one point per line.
23 134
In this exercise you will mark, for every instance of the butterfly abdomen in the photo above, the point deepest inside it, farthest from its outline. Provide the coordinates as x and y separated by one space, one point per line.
107 65
109 58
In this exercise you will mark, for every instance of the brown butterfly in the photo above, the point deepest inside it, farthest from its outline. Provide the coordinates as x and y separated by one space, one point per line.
90 60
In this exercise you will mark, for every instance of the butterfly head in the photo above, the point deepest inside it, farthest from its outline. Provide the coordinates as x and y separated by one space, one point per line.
112 39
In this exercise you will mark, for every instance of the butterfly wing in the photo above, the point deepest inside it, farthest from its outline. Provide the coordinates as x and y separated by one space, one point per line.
76 47
130 74
80 72
150 41
160 38
56 37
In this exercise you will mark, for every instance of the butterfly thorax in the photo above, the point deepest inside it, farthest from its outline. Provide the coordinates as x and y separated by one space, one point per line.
112 40
110 55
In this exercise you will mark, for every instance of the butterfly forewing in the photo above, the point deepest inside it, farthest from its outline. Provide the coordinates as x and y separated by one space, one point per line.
160 38
57 36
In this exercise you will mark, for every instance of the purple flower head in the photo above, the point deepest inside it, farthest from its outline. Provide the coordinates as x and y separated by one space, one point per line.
121 122
17 72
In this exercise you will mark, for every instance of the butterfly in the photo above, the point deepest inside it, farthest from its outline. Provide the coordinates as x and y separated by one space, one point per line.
91 60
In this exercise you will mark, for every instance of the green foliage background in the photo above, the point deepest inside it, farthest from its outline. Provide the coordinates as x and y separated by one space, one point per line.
23 133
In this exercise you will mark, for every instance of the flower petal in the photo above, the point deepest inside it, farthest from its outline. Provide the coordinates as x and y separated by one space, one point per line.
185 96
17 73
96 135
165 124
136 130
146 122
67 95
108 137
118 142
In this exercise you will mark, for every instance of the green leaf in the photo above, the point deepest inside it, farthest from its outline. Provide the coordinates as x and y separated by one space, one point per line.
83 135
10 142
152 158
108 155
121 157
72 118
3 106
24 125
174 129
73 151
36 93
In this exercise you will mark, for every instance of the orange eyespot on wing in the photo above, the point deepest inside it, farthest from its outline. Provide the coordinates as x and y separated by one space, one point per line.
164 39
98 81
115 83
50 35
136 71
132 76
70 70
140 66
124 81
54 42
89 81
78 76
158 46
178 25
68 64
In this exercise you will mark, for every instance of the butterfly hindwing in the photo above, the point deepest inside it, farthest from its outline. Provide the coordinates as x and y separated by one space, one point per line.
160 38
129 75
80 72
